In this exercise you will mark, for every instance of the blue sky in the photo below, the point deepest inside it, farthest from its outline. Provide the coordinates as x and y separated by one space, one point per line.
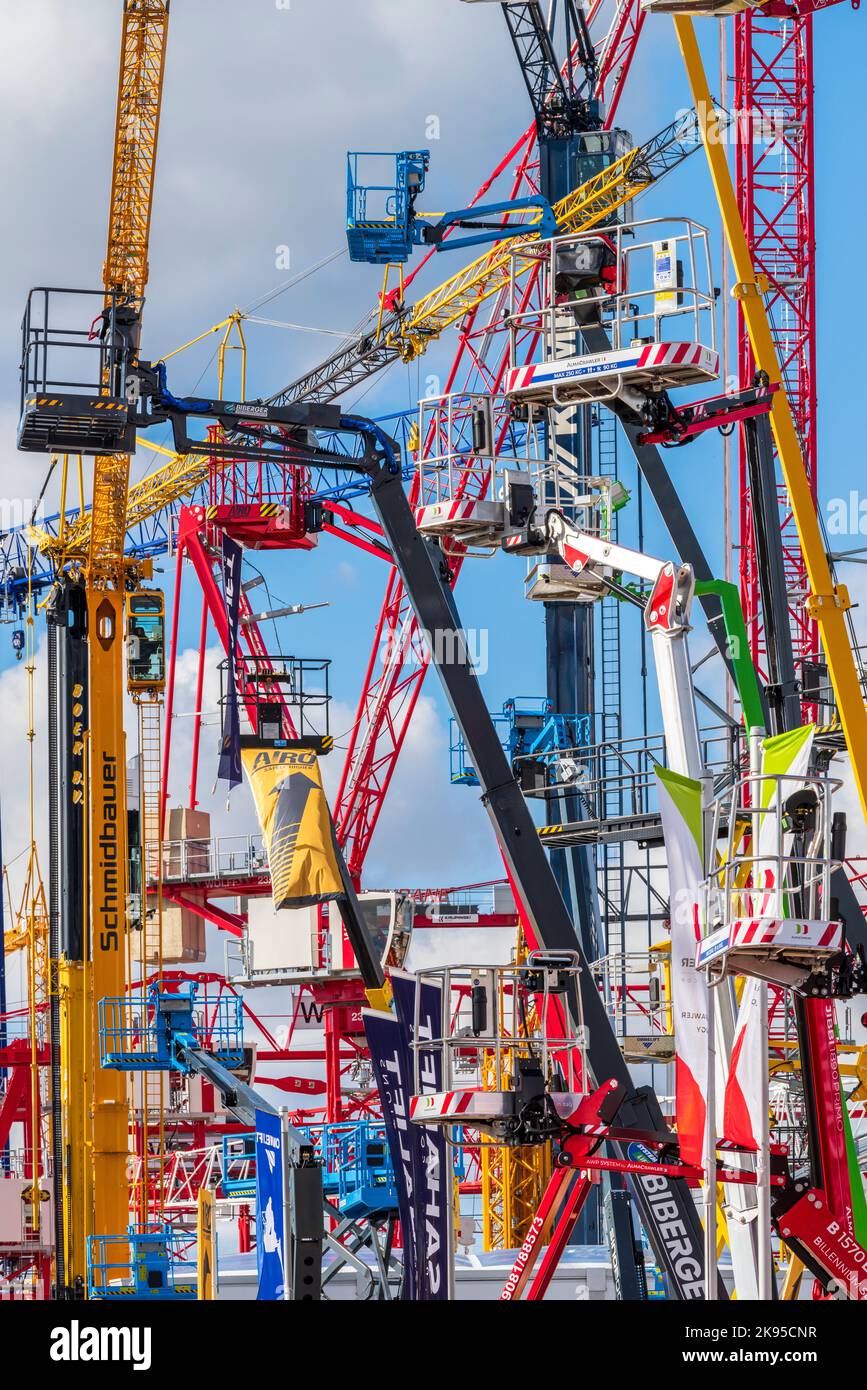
261 104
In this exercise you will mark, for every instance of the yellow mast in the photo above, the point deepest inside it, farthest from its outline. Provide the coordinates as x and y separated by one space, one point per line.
827 602
140 84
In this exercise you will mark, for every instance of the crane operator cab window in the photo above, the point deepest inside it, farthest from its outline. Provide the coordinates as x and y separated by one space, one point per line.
146 641
597 150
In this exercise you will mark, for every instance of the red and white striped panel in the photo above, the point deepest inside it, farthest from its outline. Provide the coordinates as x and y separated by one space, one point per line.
460 514
519 378
671 355
475 1106
786 931
440 1105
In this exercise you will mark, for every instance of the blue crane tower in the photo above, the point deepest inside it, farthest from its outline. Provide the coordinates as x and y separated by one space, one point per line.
573 146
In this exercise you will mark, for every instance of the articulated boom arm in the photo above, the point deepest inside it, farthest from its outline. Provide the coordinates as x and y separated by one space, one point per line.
582 551
666 617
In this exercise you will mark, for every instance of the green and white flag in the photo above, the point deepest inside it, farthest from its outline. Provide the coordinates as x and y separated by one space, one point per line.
680 802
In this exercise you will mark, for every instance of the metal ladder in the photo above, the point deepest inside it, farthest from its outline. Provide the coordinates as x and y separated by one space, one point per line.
152 1093
611 715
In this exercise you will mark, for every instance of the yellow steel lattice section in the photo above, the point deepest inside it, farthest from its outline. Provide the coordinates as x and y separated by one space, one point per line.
139 93
108 517
180 476
513 1179
139 96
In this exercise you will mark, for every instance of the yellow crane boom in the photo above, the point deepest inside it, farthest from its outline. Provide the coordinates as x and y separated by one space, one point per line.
125 272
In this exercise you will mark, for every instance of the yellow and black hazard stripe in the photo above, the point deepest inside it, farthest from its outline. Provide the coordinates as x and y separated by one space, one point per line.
835 727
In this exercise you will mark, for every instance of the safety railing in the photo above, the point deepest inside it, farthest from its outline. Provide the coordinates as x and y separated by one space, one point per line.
72 341
787 822
636 988
623 771
381 190
484 465
497 1017
152 1037
239 1165
647 282
146 1264
221 856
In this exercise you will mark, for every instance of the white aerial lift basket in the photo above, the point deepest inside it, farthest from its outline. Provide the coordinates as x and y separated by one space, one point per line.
511 1060
768 903
780 949
481 470
647 284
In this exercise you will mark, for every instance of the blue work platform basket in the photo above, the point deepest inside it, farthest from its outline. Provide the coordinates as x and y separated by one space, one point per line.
156 1033
381 190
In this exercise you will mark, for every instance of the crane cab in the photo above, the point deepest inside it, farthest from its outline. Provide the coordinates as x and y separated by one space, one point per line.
596 150
146 642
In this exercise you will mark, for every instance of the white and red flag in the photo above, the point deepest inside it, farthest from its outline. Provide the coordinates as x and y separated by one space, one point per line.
680 802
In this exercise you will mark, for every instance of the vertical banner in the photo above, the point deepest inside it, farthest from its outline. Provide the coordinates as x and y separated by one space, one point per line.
433 1192
270 1217
206 1245
392 1068
230 746
296 825
683 831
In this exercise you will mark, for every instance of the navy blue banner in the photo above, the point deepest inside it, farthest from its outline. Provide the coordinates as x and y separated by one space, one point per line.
433 1197
270 1217
392 1067
230 747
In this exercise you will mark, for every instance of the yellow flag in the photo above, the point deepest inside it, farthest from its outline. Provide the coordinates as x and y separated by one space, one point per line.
206 1244
296 825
